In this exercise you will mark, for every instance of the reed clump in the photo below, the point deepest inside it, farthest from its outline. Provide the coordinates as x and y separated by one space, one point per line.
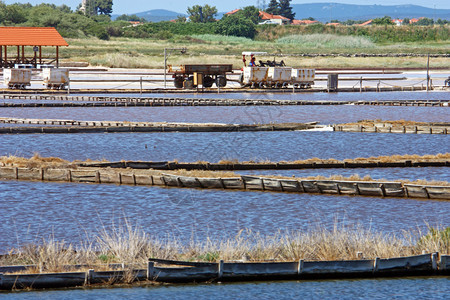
132 246
36 161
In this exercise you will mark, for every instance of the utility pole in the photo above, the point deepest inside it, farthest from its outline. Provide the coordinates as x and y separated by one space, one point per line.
428 72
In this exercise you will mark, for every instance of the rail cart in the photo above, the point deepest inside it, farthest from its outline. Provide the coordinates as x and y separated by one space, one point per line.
191 76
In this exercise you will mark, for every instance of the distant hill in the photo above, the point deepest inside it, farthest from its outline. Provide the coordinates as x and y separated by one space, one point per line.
156 15
324 12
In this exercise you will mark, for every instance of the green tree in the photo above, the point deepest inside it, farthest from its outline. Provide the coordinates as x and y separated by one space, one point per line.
386 20
237 26
441 22
14 14
286 9
425 22
133 18
104 7
202 14
406 21
273 7
250 13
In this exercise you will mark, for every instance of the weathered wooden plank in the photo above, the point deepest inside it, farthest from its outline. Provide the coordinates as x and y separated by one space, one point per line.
8 173
444 264
348 187
328 186
109 177
253 183
211 183
416 191
310 186
158 180
260 269
438 192
84 176
187 274
128 178
411 263
337 267
171 180
370 188
272 184
56 175
46 280
233 183
291 186
191 182
143 179
29 174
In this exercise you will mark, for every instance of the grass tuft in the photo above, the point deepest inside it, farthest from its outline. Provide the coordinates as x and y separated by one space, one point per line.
327 41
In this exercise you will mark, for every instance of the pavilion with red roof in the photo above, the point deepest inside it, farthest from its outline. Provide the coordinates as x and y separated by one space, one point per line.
34 37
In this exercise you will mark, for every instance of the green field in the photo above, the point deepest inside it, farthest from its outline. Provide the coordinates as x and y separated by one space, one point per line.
285 42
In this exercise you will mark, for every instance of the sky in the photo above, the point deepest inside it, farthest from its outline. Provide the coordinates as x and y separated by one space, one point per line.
180 6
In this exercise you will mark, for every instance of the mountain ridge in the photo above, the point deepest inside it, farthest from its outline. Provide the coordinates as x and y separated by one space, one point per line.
327 11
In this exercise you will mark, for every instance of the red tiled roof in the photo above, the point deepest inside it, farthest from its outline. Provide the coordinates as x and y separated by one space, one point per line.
365 23
233 11
31 36
334 24
267 16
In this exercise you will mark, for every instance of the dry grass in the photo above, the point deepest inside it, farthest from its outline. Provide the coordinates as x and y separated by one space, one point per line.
391 158
392 123
131 245
148 53
36 161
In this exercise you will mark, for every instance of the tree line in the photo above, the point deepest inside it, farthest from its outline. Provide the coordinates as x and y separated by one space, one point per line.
95 20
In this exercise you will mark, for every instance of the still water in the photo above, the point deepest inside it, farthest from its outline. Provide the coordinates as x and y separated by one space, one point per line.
212 147
235 114
70 212
391 288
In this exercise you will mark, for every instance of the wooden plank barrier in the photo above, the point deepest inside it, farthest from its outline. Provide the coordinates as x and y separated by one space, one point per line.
418 265
245 182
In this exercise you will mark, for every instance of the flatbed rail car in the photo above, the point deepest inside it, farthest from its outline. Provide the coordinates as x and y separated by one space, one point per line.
184 76
271 74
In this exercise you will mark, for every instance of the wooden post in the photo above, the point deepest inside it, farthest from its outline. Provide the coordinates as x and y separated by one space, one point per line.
434 263
6 55
1 56
376 263
57 56
220 269
140 81
18 54
150 270
40 54
300 267
360 84
23 54
383 190
88 278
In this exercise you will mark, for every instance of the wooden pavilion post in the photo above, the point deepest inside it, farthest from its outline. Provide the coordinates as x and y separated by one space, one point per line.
18 54
1 56
57 56
40 54
6 55
23 54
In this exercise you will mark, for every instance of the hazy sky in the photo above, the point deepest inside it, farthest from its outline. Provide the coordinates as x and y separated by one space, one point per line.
135 6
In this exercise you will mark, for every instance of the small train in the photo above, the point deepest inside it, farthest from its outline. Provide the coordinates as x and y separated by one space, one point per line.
269 74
